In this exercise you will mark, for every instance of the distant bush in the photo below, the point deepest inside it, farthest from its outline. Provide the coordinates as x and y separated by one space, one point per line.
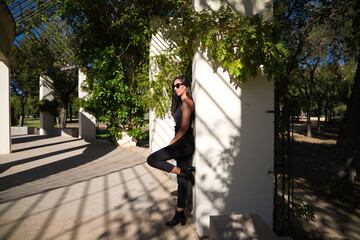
340 111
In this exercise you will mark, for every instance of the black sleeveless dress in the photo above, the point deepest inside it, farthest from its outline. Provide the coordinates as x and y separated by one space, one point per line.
181 150
178 120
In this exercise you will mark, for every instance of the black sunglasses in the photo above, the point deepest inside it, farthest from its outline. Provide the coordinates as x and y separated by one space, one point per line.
177 85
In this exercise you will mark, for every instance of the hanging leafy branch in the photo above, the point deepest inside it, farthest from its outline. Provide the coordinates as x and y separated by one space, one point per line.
240 45
111 39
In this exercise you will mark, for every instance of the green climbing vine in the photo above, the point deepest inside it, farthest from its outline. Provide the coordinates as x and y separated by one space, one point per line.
242 46
113 39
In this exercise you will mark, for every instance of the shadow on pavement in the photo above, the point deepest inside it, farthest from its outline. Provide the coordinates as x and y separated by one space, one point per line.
48 166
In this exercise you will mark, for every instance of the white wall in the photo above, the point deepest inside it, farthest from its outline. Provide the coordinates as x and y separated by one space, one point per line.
243 7
46 92
234 139
87 121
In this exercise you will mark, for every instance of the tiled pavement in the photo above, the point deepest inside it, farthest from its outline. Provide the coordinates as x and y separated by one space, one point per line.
67 188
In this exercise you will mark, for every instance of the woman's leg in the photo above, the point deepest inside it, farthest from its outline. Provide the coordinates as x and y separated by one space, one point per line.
183 163
179 217
178 150
159 159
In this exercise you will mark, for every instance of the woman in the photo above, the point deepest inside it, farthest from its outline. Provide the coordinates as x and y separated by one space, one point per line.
181 146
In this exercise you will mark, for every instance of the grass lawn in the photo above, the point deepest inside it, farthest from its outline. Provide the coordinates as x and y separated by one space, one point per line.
32 122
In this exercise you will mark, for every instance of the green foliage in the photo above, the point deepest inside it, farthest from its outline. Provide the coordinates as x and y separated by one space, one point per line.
159 90
298 209
112 100
112 40
321 38
340 110
46 105
242 46
24 72
301 209
15 110
43 53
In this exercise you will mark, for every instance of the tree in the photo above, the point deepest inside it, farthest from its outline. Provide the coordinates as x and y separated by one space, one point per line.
58 62
328 86
111 40
343 17
64 84
24 72
340 23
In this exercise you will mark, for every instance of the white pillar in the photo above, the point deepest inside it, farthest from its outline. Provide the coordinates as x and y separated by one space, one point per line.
5 124
46 119
234 146
87 121
161 129
234 142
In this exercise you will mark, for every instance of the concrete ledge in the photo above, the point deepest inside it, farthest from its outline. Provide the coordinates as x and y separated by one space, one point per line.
240 226
66 132
15 131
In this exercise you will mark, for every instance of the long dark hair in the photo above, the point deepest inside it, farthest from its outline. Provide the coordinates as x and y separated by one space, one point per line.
175 101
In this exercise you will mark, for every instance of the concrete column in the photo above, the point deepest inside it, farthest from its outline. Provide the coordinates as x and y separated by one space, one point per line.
234 140
46 119
161 129
87 121
234 146
7 36
5 124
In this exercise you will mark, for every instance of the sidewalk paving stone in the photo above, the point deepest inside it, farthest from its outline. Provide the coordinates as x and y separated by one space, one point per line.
68 188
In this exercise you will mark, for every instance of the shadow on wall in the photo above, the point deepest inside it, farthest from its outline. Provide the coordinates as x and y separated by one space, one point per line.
234 151
251 154
243 7
216 152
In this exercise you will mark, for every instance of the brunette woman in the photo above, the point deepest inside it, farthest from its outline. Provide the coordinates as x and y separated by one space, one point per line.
181 146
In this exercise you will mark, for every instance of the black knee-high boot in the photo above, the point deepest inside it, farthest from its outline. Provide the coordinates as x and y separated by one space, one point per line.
178 218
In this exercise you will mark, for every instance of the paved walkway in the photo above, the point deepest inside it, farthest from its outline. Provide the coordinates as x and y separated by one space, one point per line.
67 188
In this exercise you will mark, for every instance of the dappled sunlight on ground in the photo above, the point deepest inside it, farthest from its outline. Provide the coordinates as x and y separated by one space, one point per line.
301 138
312 169
54 188
331 221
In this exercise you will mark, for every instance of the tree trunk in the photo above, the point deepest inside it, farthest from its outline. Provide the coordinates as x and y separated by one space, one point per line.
326 114
319 114
63 117
308 119
347 155
309 100
70 111
22 110
21 119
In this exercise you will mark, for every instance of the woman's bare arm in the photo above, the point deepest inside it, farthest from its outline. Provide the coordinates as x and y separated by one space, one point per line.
187 108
